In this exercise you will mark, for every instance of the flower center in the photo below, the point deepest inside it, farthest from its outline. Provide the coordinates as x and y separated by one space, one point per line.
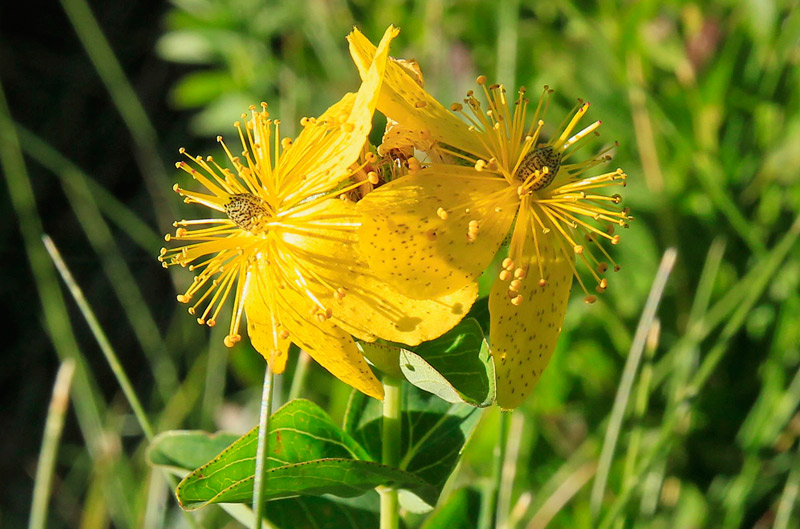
538 160
248 211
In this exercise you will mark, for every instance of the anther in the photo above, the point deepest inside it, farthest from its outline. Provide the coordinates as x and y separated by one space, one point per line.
442 213
420 104
615 239
542 282
504 275
520 273
517 301
481 79
283 334
515 284
590 299
578 249
456 107
229 340
340 293
602 268
508 263
372 176
480 165
211 323
183 298
604 283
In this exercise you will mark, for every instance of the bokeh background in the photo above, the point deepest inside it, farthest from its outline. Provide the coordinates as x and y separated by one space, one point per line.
703 98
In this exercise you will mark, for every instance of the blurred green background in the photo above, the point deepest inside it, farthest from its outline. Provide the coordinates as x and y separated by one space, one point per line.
703 98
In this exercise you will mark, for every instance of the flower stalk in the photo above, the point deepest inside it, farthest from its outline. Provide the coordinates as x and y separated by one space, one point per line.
390 452
260 484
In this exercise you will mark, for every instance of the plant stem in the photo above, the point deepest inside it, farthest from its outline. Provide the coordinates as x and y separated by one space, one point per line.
52 435
489 498
390 454
100 336
260 484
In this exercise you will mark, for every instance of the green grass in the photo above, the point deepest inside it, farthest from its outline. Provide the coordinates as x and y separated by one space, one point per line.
703 99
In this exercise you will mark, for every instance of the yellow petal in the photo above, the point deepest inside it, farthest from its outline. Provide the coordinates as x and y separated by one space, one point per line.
524 336
370 308
262 327
403 99
406 242
331 347
322 154
271 312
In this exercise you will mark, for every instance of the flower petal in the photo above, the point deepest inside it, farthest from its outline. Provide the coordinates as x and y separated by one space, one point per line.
262 327
370 307
407 243
331 347
523 337
271 311
320 157
403 99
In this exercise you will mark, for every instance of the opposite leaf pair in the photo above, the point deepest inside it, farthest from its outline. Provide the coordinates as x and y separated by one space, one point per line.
307 265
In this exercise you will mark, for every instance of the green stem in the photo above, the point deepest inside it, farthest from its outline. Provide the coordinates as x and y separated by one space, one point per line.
260 485
300 375
100 336
52 435
390 454
489 498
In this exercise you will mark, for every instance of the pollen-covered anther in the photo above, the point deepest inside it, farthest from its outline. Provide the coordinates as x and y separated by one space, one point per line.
504 275
578 249
508 263
456 107
283 334
480 165
200 321
603 283
231 340
517 301
183 298
481 80
372 176
286 143
515 285
340 293
616 198
442 213
414 165
211 322
542 282
590 299
520 273
615 239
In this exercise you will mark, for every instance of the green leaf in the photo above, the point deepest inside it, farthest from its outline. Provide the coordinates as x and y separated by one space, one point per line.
460 511
456 367
433 434
383 356
184 450
308 455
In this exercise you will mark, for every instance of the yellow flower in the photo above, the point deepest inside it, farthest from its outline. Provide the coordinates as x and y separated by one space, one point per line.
438 228
287 249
